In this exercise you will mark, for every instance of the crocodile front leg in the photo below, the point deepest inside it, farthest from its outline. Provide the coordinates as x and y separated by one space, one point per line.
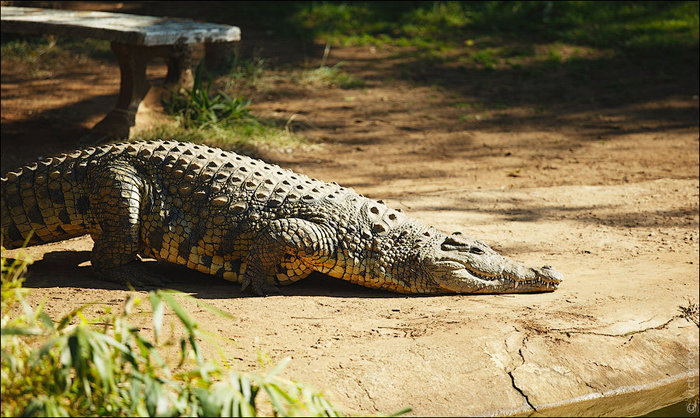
309 244
116 196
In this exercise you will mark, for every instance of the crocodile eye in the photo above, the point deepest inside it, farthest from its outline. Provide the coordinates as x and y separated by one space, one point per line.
476 250
455 243
451 241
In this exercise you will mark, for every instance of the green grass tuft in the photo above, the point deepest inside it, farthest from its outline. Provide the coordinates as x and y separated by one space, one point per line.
197 107
219 120
325 76
245 136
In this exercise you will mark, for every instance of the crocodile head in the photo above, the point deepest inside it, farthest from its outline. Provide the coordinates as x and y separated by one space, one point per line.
461 264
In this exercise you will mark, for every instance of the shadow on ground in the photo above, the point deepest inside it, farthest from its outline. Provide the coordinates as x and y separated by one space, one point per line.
70 269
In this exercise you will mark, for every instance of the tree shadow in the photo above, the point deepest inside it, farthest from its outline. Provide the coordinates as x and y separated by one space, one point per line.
53 130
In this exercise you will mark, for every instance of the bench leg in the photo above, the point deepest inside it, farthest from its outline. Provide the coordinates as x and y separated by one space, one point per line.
133 88
180 61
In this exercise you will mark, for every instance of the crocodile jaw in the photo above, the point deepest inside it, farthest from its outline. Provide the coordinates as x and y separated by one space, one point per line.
460 264
522 280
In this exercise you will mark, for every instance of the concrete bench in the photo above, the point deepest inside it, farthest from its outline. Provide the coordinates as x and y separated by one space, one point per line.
135 40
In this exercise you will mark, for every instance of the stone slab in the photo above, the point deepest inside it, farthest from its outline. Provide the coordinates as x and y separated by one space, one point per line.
116 27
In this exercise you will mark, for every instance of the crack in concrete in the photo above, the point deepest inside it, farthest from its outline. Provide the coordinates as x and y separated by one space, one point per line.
371 399
512 377
590 386
512 380
597 392
605 334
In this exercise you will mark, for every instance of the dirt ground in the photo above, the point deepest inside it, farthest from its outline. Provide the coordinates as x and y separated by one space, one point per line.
599 181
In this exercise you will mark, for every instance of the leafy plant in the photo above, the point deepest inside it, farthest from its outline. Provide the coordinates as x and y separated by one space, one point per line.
219 119
70 368
197 107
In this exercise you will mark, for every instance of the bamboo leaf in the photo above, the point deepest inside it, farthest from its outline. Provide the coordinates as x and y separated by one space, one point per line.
72 314
21 331
179 311
158 311
401 412
281 365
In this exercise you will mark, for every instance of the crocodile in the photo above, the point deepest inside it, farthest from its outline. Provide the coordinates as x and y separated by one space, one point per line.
242 220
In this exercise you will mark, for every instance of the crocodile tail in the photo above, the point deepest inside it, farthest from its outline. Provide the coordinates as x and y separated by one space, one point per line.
43 202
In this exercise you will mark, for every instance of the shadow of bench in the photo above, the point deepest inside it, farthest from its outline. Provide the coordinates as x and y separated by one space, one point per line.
135 40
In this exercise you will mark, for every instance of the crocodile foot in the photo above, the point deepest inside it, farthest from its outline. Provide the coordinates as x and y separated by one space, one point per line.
135 274
260 287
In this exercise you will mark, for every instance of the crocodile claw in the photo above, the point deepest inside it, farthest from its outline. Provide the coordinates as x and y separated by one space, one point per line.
260 287
136 275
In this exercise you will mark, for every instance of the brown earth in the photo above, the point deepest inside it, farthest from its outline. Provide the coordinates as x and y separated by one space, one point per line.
599 181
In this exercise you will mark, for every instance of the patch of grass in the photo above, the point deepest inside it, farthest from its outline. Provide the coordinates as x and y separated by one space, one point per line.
469 118
691 312
655 34
197 107
76 367
472 106
246 76
434 22
38 49
376 23
27 49
325 76
336 21
244 137
554 54
487 57
219 120
601 24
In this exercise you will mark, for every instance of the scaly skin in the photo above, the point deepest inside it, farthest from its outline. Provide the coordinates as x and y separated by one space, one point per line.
243 220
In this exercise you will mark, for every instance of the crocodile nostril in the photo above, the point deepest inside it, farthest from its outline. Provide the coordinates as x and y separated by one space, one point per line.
476 250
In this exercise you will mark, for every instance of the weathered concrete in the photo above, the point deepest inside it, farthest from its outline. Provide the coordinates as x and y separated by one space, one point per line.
610 341
115 27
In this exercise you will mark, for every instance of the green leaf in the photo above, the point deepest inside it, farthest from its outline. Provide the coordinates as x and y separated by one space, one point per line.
158 310
211 401
179 311
275 394
327 407
67 318
135 395
207 306
112 343
144 348
103 366
46 320
36 407
156 399
197 353
21 331
183 352
281 365
401 412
